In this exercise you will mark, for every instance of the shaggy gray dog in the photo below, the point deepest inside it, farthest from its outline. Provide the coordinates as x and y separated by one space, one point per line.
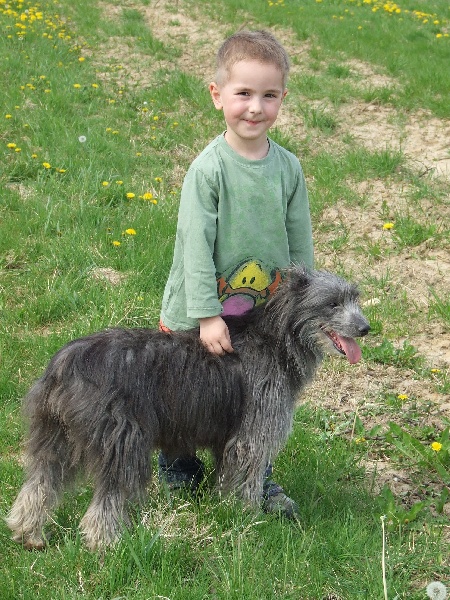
106 401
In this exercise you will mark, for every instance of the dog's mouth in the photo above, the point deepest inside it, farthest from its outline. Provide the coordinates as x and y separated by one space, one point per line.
345 346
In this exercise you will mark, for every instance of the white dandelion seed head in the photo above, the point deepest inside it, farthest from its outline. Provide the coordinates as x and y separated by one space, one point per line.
436 590
82 139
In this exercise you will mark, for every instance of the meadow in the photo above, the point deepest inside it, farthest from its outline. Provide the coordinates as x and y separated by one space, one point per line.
103 107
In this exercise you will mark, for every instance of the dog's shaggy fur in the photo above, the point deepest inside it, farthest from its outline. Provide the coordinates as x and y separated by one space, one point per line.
107 400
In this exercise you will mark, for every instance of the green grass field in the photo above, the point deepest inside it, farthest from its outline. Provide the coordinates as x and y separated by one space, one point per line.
103 107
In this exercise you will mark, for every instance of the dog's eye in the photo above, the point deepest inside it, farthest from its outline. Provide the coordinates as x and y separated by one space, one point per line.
334 305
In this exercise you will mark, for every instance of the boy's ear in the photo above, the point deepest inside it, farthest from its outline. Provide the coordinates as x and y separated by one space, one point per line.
284 94
215 95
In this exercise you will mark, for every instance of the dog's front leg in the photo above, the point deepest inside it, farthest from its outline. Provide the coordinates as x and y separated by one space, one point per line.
242 469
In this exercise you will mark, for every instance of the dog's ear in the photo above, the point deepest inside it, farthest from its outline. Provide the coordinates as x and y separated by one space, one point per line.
299 276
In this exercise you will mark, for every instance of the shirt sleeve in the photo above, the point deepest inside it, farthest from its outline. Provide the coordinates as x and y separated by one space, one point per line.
197 226
298 224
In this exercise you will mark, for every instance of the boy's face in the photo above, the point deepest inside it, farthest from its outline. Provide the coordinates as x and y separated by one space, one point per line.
250 98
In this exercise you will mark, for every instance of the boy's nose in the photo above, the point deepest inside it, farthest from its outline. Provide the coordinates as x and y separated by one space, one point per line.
255 105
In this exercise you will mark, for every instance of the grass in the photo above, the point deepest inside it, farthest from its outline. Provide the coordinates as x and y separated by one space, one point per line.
100 119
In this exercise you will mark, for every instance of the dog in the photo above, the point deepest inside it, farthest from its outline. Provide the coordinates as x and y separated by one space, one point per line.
106 401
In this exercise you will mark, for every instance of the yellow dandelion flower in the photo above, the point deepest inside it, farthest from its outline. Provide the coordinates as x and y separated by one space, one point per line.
435 370
76 85
17 149
8 116
46 165
105 183
130 231
12 145
119 182
94 85
116 243
34 156
403 397
108 129
155 118
130 195
147 196
158 179
81 59
388 225
61 170
154 201
436 446
138 153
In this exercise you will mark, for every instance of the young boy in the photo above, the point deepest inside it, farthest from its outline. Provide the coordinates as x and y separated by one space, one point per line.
244 216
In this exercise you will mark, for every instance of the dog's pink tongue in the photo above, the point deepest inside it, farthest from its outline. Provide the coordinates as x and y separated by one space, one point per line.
351 349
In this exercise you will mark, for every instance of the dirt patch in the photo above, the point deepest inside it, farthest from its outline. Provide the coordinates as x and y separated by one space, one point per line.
424 139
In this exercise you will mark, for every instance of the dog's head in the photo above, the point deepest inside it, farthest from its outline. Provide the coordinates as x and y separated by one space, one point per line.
324 311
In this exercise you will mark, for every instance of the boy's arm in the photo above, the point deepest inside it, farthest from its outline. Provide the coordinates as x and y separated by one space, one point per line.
198 228
298 225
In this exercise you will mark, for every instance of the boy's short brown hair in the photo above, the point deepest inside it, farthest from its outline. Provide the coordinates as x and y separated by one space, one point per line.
258 45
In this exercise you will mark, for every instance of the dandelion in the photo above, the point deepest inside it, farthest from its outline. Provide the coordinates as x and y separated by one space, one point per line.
82 139
34 155
388 225
403 397
158 179
46 165
105 183
8 116
156 118
130 195
76 85
436 591
435 370
17 149
94 85
436 446
138 153
147 196
119 182
81 59
130 231
116 243
12 145
61 170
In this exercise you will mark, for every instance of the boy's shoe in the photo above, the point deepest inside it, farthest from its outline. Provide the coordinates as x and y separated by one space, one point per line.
276 501
183 474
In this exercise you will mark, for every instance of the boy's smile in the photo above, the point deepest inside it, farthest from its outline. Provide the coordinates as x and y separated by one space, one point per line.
250 98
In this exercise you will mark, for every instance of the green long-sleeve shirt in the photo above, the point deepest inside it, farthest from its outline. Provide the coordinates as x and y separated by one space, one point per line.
240 221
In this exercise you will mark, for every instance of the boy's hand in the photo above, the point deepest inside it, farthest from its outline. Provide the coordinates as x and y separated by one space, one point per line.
215 336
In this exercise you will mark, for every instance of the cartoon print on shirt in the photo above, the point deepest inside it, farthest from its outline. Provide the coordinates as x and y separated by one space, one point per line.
249 284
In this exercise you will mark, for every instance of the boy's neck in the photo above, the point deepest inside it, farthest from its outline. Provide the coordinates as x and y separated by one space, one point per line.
250 149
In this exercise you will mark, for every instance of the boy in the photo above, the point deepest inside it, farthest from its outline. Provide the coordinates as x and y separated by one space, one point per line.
243 216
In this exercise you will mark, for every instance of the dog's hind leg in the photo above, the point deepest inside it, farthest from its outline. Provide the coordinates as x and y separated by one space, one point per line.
121 473
48 470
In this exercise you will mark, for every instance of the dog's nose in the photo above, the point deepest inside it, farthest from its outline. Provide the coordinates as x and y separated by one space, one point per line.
364 329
